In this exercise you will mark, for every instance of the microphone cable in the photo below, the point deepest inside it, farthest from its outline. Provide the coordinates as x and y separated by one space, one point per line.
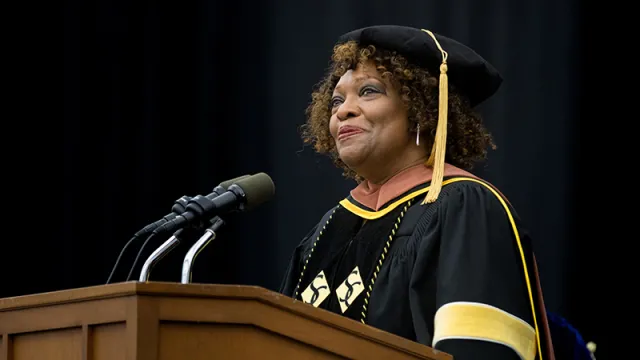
113 270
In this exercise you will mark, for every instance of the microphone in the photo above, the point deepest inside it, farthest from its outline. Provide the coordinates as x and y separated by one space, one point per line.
173 241
178 208
244 195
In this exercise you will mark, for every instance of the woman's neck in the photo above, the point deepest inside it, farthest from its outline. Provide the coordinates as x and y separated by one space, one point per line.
382 178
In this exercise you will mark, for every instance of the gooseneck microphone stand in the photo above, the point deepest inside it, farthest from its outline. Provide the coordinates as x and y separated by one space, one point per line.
158 254
205 239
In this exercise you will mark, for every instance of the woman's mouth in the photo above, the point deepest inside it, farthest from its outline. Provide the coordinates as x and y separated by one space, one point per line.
348 131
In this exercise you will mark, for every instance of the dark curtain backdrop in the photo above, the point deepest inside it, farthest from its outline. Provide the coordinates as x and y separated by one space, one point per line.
165 99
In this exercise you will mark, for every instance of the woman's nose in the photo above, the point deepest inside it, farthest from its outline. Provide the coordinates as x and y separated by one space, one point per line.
348 109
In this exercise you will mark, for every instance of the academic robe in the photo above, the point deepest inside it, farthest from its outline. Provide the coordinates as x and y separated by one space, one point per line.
457 275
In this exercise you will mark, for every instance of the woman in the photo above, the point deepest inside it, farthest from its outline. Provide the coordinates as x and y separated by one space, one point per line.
420 248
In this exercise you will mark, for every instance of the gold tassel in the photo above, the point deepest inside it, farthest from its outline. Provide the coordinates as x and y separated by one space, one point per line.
437 156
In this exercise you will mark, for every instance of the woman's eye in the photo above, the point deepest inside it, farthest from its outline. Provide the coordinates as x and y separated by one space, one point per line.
335 102
368 90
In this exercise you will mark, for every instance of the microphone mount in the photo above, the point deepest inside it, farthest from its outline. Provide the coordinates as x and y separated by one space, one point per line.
200 207
178 208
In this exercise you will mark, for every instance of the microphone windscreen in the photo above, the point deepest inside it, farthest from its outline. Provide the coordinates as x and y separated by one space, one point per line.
227 183
258 189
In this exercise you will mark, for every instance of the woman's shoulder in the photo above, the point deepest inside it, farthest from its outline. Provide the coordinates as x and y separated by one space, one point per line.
471 191
461 197
481 208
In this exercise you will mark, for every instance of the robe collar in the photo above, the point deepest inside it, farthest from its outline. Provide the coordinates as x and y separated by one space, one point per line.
375 196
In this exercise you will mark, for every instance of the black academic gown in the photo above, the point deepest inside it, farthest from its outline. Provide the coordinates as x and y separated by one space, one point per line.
450 275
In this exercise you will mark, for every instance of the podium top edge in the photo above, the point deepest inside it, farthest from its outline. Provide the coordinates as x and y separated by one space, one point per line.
216 291
134 288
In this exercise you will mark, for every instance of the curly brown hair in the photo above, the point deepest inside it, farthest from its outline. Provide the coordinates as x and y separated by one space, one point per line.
467 138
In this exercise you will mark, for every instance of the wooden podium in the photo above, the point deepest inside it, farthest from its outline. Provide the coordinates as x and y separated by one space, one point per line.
155 320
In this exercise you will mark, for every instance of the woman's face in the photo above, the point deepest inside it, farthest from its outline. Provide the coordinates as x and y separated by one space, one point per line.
369 121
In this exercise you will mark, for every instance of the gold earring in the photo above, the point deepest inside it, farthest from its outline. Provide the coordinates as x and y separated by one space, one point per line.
418 135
